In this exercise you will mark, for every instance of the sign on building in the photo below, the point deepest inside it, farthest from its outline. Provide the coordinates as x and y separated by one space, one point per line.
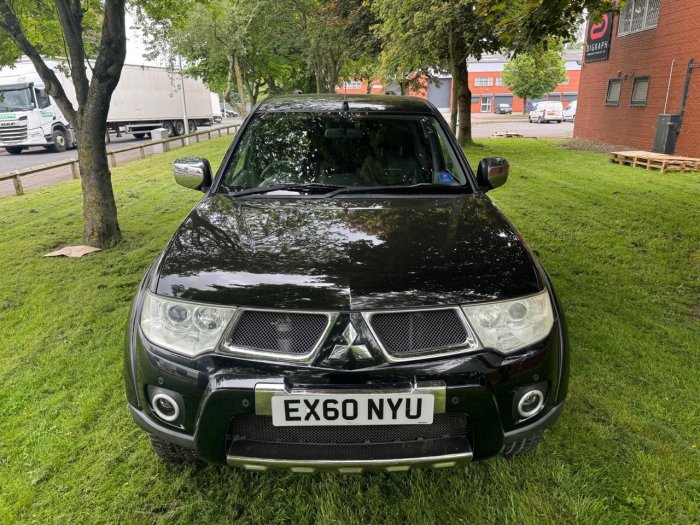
598 39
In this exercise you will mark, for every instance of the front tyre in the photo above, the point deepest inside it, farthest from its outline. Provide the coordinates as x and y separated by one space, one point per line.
522 446
172 453
60 143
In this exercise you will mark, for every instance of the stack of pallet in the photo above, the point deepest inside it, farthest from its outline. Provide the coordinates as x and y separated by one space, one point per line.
655 161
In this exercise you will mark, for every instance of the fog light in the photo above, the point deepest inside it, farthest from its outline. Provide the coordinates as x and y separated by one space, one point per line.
531 403
165 407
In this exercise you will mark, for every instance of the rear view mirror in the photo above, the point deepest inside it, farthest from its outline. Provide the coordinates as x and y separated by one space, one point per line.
193 173
492 173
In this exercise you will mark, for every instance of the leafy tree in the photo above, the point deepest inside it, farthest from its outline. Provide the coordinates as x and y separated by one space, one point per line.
438 33
91 38
533 73
522 24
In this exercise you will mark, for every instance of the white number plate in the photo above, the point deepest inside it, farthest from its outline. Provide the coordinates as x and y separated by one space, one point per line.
352 409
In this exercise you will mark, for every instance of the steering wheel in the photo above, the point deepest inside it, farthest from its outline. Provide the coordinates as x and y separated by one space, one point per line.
275 173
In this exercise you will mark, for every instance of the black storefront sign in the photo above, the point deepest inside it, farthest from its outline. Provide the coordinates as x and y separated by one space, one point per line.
598 39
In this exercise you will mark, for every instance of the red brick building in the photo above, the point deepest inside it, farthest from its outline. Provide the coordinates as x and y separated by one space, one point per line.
645 73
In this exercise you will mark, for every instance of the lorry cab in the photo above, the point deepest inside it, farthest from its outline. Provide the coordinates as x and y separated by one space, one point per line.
29 116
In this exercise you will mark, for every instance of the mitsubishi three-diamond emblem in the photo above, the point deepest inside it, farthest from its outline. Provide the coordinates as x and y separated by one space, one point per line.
341 352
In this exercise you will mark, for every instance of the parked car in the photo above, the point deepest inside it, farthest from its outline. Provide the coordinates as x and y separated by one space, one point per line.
570 111
503 109
345 296
228 111
546 112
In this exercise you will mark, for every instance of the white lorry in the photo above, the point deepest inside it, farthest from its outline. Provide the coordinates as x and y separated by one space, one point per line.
146 98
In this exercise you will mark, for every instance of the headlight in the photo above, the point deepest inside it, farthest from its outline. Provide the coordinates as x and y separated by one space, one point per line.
511 325
183 327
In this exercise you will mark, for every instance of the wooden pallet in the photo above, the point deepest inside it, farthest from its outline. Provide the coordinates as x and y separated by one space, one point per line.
655 161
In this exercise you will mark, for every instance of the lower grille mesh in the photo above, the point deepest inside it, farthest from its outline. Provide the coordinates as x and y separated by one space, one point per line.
256 437
407 332
291 333
260 428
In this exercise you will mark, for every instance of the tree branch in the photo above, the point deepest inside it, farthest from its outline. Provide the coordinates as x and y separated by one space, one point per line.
11 26
112 51
72 24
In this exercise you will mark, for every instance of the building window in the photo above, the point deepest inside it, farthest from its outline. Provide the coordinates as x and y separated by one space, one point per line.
353 84
499 81
613 97
640 90
483 81
485 104
638 15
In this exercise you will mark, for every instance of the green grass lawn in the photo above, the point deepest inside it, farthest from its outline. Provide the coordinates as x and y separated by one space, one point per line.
623 248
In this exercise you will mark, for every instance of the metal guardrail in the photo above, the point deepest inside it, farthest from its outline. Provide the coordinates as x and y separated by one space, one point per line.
17 175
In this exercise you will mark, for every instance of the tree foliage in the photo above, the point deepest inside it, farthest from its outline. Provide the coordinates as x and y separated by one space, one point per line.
533 73
247 48
439 34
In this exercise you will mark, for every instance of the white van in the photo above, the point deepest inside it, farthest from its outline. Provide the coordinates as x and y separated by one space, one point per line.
570 111
546 112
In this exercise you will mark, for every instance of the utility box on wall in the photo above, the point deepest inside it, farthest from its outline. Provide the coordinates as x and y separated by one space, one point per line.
666 133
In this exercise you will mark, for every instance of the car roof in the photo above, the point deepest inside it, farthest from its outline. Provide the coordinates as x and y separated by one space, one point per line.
355 103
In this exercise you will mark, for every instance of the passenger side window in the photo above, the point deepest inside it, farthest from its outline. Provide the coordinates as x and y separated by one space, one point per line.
42 99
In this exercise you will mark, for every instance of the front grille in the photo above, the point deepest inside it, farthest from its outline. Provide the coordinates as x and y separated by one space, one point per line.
280 332
9 134
413 332
256 437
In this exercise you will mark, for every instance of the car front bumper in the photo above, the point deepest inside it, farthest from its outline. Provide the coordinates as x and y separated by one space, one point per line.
224 400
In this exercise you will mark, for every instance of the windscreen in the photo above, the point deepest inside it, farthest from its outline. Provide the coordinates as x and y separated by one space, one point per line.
16 99
342 149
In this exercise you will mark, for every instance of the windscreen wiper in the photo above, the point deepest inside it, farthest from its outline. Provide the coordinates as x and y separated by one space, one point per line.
309 187
420 187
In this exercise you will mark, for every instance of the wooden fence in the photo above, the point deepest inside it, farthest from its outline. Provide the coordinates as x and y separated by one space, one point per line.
17 175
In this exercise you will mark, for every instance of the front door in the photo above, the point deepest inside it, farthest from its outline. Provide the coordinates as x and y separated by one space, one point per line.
485 104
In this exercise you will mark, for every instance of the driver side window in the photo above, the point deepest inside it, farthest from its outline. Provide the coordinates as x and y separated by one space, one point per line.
42 98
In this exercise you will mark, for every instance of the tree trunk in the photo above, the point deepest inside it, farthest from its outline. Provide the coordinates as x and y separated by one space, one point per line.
240 87
464 104
461 91
454 86
454 99
100 225
368 90
524 106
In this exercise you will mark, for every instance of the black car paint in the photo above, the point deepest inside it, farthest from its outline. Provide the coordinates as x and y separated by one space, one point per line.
347 253
446 250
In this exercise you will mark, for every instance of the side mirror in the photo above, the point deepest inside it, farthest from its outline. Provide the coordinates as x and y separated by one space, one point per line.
492 173
193 173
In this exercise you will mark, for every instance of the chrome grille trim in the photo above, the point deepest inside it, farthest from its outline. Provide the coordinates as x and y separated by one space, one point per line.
470 344
248 352
14 133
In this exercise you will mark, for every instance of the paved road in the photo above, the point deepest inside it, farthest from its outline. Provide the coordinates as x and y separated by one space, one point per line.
551 130
483 126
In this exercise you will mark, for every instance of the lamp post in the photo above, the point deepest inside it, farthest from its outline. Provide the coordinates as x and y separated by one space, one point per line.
184 101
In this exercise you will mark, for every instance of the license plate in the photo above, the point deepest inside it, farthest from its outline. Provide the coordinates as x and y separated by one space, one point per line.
352 409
